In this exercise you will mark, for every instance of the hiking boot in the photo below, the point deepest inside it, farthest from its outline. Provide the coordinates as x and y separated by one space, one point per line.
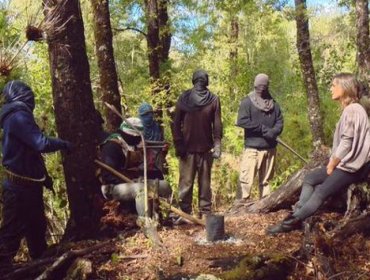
288 224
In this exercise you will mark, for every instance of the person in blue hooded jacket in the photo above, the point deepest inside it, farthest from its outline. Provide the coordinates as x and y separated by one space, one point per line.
22 146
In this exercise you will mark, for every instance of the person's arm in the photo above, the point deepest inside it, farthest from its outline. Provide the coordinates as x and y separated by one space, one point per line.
345 143
24 128
178 137
277 129
279 125
217 130
244 118
334 161
112 155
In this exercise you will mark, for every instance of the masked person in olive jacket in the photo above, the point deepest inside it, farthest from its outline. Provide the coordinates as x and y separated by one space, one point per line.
197 133
260 116
22 146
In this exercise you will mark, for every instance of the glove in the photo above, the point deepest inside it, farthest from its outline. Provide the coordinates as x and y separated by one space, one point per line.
180 150
48 183
68 146
216 151
268 133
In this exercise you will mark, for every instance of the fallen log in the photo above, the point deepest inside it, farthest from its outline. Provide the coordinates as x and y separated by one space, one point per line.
59 262
285 196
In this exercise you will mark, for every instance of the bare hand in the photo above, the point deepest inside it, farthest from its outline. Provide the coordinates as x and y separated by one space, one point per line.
329 169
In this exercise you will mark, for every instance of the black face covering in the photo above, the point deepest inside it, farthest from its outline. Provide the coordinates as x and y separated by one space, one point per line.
18 96
19 91
199 96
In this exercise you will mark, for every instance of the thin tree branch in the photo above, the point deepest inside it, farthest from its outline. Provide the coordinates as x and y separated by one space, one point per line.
130 28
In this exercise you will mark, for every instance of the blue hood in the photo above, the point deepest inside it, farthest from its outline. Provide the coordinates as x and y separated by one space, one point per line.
20 92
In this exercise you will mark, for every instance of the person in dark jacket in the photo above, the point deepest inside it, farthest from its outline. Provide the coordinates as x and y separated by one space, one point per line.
260 116
197 133
22 146
123 151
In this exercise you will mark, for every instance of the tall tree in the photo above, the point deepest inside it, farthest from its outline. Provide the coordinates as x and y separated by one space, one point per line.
363 40
158 39
151 12
106 63
74 112
308 72
233 39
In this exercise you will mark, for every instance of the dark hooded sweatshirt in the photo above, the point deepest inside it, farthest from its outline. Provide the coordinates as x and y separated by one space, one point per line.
23 142
197 123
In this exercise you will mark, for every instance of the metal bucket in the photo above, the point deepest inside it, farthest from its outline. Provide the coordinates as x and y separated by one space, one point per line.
215 227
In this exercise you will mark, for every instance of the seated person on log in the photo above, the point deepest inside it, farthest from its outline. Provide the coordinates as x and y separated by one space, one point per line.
349 161
123 151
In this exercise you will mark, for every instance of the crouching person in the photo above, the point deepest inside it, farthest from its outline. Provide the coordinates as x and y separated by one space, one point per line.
123 151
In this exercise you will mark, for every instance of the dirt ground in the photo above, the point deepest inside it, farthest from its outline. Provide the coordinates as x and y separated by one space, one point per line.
186 254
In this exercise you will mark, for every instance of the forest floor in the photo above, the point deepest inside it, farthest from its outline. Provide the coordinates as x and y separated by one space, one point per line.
186 254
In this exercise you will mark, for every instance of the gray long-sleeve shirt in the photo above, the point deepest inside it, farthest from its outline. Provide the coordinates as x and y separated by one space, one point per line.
351 141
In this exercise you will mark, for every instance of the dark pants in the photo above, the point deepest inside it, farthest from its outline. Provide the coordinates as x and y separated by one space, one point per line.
318 186
23 216
192 164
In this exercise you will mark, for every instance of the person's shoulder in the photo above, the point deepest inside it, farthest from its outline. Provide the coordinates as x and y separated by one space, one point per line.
21 116
246 99
184 93
355 109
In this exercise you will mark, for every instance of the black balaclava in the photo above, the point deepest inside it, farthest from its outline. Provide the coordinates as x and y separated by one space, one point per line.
261 97
199 96
18 96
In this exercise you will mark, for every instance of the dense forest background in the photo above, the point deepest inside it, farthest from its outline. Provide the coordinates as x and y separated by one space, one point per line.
232 40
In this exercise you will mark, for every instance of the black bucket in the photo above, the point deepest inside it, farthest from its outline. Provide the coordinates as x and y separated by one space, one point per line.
215 227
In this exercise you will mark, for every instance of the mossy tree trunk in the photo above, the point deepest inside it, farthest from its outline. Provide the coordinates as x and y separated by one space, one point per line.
74 113
105 56
308 72
363 40
233 54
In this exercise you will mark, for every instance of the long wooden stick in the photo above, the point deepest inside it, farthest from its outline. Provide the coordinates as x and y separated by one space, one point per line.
182 214
285 145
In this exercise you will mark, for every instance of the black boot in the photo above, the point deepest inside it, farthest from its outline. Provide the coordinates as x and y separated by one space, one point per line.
288 224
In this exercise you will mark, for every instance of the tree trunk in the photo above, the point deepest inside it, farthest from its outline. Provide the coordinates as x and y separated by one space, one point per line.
106 64
308 72
74 113
233 55
363 40
151 12
164 31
